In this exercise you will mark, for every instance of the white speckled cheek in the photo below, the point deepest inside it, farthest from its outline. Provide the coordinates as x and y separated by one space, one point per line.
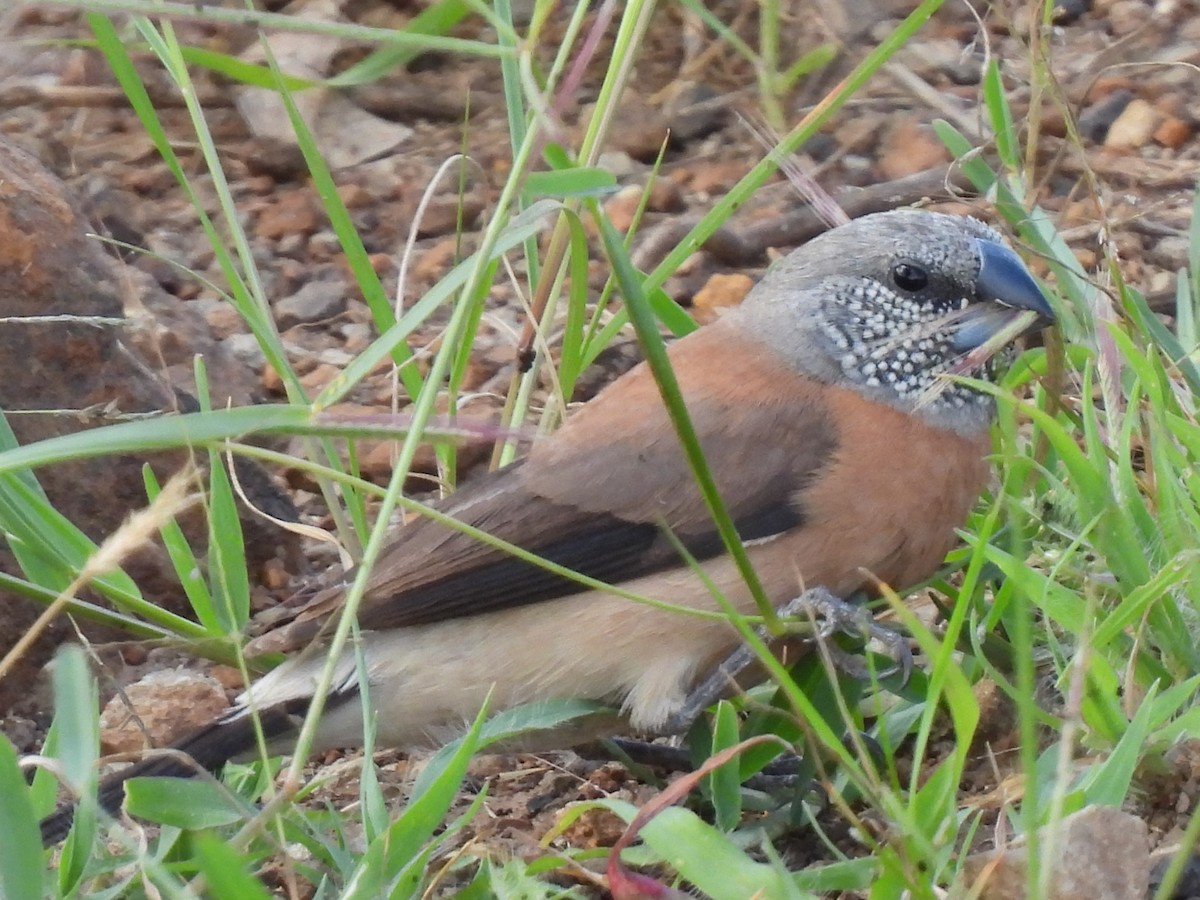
884 340
865 334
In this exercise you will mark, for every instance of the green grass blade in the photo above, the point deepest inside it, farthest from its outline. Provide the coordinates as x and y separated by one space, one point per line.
21 849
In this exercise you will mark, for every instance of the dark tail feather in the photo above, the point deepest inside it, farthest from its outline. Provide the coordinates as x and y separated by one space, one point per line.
209 748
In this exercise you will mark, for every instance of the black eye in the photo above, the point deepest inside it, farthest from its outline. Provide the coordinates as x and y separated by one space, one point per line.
908 276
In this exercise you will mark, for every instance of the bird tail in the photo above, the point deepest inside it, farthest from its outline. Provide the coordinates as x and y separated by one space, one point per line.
232 736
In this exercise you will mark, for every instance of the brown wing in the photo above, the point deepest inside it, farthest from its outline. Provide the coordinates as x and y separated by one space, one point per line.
594 497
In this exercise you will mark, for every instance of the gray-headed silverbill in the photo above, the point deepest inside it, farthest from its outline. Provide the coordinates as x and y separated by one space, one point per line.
818 407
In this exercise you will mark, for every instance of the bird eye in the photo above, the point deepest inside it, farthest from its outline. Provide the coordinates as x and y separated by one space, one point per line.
909 276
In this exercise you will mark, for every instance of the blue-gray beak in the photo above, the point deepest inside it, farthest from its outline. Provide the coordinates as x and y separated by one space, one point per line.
1003 279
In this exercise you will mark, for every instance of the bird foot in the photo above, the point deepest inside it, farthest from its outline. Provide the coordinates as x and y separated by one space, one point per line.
833 615
815 608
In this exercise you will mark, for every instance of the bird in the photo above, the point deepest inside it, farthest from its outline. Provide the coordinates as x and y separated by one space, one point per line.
845 455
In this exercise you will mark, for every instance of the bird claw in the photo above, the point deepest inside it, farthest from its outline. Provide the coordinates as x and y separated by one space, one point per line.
832 615
815 607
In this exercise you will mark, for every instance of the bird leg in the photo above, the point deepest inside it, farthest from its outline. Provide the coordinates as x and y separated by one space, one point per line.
817 606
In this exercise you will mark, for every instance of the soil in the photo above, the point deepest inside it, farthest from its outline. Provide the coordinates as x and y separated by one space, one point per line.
1124 72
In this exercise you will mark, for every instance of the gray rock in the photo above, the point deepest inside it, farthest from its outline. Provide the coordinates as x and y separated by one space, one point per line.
1097 118
1169 253
245 349
314 302
1099 853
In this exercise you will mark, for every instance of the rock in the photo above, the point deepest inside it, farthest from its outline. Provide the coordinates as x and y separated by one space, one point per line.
708 179
323 246
666 196
1099 853
966 70
450 214
719 292
335 356
638 130
346 134
821 146
1169 253
276 159
858 134
25 734
696 111
619 163
229 677
622 206
355 196
945 55
1127 16
292 244
911 147
224 320
272 381
1087 256
382 264
1067 12
1173 132
245 349
435 261
314 302
288 212
135 364
1188 885
1095 121
315 380
159 709
357 336
115 212
1134 127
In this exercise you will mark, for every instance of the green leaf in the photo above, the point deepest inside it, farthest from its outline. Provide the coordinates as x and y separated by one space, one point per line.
396 857
847 875
557 157
236 69
725 781
187 803
21 872
50 549
529 718
166 432
230 580
580 181
995 98
183 560
224 871
570 363
357 258
75 715
1150 325
76 719
1108 783
435 20
704 856
815 59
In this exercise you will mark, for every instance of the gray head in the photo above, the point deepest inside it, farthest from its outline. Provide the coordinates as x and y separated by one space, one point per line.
886 304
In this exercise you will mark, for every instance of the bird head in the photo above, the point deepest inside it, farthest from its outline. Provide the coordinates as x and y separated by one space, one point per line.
892 303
